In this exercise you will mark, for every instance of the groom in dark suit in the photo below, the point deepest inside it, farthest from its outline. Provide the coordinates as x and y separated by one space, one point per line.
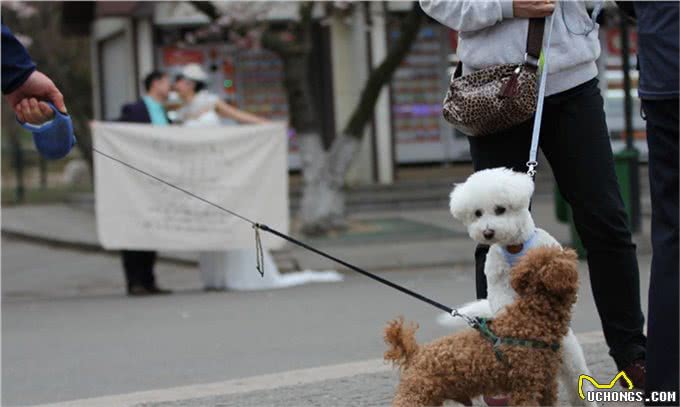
138 264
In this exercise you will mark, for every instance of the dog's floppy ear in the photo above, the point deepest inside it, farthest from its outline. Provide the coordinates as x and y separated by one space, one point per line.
546 269
457 201
522 187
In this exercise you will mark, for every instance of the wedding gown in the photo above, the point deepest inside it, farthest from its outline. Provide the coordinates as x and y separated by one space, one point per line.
236 269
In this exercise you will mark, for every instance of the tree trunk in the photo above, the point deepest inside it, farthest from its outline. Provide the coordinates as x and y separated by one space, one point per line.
305 121
295 52
323 201
328 210
84 141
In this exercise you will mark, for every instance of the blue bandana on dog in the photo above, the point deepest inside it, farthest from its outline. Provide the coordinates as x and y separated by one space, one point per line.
513 258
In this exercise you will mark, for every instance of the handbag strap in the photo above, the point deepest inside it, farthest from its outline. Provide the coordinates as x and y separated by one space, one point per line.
533 48
534 43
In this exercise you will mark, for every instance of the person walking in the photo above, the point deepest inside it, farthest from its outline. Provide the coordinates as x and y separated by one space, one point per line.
139 264
574 139
658 88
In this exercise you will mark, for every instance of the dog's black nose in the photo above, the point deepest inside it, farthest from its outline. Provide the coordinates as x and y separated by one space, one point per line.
488 234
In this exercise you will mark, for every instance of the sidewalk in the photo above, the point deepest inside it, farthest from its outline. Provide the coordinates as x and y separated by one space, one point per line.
364 383
376 239
368 389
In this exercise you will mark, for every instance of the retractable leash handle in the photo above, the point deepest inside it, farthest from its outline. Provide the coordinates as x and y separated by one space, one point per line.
54 139
533 152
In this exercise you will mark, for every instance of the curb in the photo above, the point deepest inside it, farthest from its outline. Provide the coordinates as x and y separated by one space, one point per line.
298 378
396 255
442 253
81 246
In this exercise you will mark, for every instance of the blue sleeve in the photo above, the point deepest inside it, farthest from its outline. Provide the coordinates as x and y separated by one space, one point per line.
17 65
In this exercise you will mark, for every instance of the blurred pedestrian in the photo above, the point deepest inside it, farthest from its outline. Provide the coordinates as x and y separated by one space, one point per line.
202 107
232 269
139 264
574 139
28 92
658 87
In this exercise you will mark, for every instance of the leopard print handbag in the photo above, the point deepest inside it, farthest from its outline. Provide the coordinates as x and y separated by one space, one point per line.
496 98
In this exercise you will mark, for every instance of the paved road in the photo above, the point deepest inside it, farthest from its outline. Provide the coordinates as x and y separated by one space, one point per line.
367 390
69 333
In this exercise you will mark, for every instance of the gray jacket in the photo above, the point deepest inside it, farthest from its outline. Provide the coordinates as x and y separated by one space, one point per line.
489 35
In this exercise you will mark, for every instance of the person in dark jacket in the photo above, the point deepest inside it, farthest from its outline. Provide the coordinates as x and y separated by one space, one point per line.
658 54
27 91
139 264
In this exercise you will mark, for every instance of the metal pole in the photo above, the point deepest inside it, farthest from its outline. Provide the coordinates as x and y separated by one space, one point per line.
630 155
19 169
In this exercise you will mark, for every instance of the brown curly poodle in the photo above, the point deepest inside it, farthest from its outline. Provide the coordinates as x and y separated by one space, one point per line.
462 366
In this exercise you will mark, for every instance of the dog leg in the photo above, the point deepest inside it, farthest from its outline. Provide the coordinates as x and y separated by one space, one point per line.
573 365
527 391
478 308
549 392
524 397
419 389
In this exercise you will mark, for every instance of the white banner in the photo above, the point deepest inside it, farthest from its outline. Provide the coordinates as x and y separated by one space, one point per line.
241 168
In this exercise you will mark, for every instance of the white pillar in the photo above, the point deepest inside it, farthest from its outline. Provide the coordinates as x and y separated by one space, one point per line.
348 42
383 132
113 63
144 48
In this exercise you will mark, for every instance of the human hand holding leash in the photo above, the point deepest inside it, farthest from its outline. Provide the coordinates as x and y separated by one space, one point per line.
28 100
532 8
33 112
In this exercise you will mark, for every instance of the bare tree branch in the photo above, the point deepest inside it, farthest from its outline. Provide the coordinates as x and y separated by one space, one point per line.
383 73
207 8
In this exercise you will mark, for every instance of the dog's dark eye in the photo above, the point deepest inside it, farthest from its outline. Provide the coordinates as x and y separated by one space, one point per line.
478 213
499 210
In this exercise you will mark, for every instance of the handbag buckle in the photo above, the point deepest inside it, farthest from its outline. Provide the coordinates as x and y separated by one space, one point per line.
530 60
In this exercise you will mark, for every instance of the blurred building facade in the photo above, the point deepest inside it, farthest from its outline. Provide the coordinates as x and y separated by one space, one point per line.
129 39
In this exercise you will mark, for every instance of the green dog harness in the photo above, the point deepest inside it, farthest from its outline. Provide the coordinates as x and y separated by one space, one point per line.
483 326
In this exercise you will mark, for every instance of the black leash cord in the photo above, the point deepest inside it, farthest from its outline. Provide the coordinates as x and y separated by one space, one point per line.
164 182
285 237
368 274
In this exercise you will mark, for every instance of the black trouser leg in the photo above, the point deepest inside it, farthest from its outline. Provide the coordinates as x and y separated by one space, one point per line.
662 328
138 266
480 278
579 152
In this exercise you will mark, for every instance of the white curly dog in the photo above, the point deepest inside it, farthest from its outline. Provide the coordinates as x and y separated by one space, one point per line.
494 206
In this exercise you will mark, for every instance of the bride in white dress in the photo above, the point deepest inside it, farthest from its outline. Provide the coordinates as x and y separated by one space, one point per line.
233 269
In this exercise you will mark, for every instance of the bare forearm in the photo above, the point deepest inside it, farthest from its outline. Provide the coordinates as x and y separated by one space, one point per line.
231 112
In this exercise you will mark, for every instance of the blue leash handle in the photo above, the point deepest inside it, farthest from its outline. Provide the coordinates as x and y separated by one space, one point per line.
55 139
